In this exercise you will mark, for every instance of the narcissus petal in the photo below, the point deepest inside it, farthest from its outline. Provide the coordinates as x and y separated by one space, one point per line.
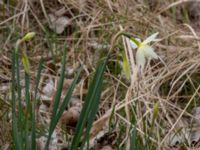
151 38
148 51
140 58
133 45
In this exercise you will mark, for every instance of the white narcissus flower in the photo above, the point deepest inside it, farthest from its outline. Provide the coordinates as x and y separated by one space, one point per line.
144 50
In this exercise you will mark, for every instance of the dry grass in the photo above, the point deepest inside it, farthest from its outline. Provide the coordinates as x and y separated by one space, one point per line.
172 82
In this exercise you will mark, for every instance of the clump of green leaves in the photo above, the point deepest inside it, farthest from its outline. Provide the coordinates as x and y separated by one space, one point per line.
24 123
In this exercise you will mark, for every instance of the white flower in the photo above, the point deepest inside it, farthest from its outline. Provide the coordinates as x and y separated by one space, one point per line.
144 50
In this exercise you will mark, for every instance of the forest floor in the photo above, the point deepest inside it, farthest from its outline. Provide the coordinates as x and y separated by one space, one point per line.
164 97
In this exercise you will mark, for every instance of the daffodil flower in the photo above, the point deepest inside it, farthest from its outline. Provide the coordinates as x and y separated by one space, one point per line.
144 50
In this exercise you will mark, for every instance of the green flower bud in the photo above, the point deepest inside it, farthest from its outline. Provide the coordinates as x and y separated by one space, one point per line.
28 36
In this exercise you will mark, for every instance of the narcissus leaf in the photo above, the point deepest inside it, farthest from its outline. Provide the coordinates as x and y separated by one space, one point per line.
140 59
151 38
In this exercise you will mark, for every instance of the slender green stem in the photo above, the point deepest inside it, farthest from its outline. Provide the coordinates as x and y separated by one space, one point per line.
19 98
33 135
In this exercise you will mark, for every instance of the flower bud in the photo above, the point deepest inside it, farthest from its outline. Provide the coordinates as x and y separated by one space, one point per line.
28 36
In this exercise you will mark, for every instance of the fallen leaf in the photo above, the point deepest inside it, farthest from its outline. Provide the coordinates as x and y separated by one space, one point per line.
71 116
48 89
58 24
196 114
175 139
195 130
106 148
